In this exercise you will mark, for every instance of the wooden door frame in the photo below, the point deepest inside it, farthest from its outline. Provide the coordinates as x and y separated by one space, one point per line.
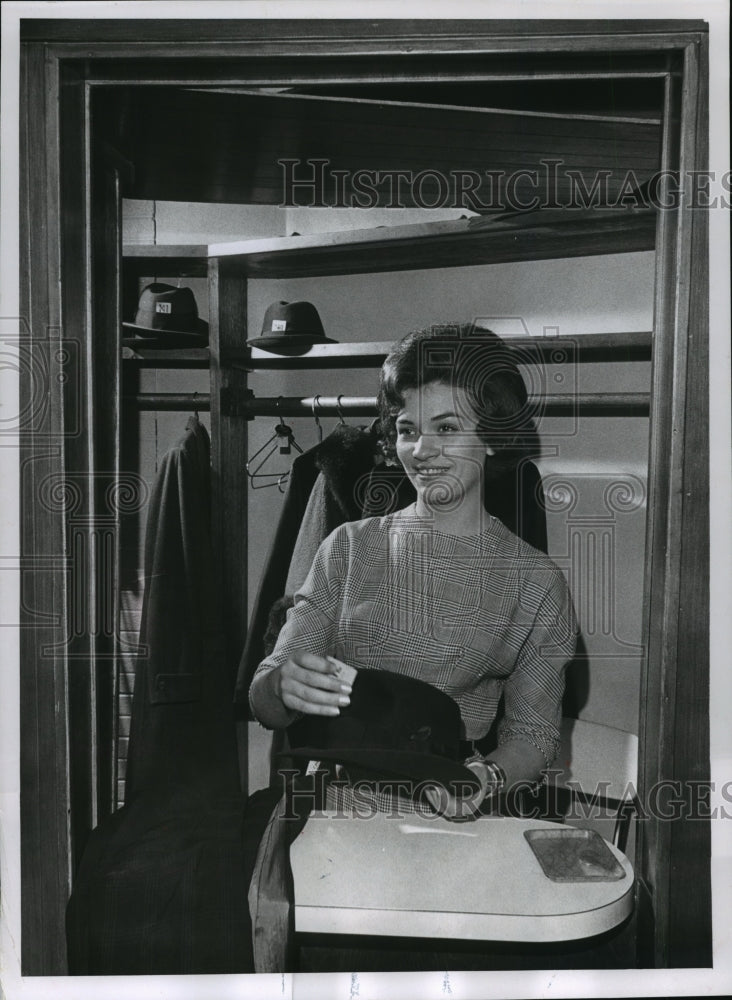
63 793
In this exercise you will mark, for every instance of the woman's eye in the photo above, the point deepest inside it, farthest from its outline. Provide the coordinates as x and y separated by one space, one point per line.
405 431
448 428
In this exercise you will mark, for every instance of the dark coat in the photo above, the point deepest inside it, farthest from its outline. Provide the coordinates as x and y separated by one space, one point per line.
162 885
341 460
182 729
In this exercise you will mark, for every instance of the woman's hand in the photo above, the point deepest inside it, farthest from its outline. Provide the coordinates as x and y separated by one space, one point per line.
308 683
463 808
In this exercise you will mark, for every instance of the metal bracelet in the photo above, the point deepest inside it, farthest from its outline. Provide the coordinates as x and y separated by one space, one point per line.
496 777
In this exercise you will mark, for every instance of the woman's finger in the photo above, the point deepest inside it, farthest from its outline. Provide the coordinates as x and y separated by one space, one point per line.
319 664
309 707
314 679
307 692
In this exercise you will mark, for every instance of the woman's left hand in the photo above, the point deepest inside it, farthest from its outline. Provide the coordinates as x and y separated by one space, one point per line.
463 808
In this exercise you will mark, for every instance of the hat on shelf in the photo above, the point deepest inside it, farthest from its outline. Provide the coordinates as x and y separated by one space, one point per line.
394 726
168 317
290 328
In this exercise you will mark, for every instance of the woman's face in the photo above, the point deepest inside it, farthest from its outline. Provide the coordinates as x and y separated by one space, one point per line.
438 445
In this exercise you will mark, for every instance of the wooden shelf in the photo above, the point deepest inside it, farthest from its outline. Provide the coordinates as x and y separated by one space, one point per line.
477 240
181 260
462 243
586 347
183 357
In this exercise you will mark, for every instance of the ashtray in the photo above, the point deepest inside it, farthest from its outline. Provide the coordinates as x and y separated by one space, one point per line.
570 855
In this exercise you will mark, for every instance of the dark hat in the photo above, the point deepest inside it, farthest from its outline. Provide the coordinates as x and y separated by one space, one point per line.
168 315
291 328
395 726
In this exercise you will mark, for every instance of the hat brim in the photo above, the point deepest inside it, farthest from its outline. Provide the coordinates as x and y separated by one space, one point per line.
201 330
289 343
143 336
418 767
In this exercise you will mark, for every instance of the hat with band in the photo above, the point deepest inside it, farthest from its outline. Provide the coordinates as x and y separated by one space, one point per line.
290 328
166 313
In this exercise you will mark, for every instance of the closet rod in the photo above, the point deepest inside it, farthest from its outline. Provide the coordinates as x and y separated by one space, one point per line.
596 403
170 401
556 405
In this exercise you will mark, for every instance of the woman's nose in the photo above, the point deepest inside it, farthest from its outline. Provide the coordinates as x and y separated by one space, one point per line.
425 445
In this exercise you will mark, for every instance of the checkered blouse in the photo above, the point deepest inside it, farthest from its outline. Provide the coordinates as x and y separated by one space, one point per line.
476 617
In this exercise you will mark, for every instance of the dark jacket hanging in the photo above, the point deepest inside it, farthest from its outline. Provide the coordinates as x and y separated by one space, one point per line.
182 727
349 452
162 885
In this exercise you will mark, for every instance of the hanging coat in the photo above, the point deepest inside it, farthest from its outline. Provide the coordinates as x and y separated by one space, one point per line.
349 453
182 729
162 885
346 460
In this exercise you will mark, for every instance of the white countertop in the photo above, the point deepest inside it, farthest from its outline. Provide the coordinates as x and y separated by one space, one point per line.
425 877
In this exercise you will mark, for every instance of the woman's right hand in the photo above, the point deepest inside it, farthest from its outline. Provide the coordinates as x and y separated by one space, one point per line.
308 683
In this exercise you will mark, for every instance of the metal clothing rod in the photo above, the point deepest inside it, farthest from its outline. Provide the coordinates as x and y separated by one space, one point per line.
309 406
170 401
555 405
598 403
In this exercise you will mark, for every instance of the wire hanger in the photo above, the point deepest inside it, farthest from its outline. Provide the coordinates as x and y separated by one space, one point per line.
340 411
317 419
283 440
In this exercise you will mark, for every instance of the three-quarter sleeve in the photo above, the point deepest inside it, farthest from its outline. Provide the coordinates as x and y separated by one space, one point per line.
534 689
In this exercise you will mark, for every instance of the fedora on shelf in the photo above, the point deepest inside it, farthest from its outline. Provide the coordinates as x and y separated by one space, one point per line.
290 328
167 316
394 726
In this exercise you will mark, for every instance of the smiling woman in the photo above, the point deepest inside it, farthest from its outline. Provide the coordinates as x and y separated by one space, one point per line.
441 591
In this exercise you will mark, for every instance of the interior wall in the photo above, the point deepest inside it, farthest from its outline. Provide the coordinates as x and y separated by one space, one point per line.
594 468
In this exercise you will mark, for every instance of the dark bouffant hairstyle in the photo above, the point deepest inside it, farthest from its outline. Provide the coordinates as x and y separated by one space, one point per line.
478 362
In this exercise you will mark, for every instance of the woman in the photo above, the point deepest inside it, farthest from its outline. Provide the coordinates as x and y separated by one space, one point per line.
440 591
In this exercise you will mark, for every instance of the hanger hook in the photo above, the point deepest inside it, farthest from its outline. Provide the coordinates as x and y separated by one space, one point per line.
340 411
284 439
279 410
316 418
195 407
